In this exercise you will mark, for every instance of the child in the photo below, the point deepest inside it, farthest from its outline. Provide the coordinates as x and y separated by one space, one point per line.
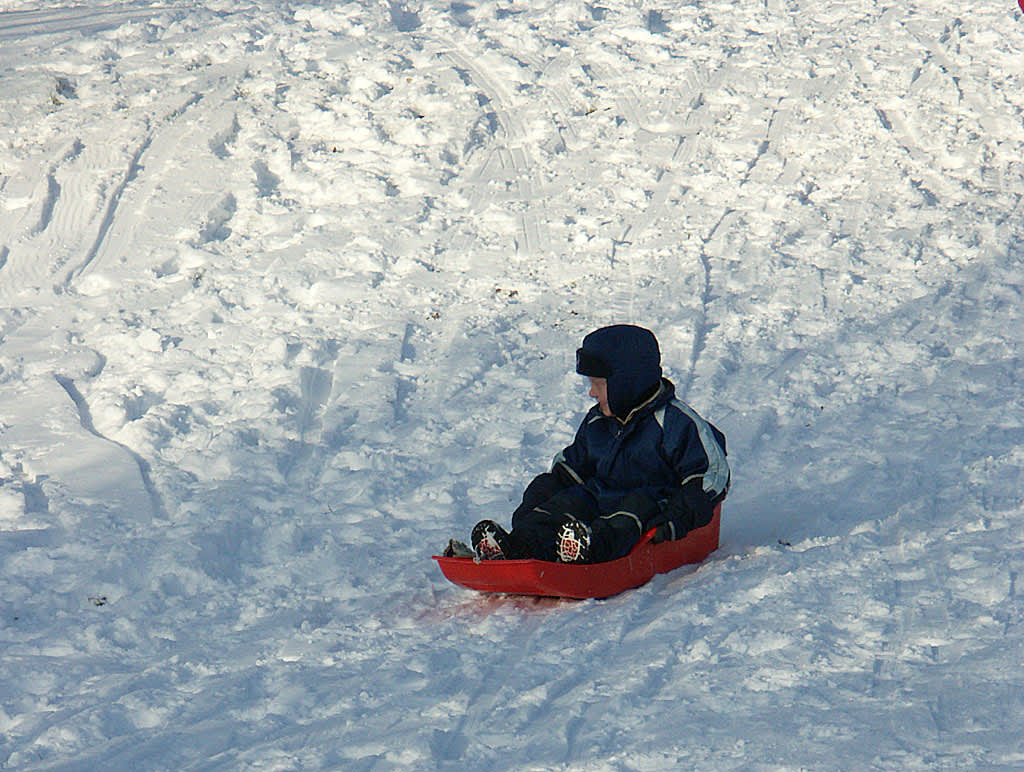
640 459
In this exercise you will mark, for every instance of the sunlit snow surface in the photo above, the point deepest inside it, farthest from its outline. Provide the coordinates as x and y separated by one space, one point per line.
289 295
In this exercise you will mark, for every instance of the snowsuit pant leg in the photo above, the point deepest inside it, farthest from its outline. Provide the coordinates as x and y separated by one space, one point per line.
615 534
612 536
535 532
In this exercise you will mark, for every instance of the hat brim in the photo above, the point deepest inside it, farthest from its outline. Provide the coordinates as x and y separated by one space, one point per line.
591 365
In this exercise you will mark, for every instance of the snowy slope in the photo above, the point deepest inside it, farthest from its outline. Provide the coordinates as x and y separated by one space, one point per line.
289 295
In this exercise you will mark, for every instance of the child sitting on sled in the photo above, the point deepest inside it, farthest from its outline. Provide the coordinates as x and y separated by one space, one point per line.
641 459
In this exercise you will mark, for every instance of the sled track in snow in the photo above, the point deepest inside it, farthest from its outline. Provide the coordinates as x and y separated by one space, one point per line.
704 325
24 266
64 208
132 170
691 95
514 160
20 25
134 164
85 417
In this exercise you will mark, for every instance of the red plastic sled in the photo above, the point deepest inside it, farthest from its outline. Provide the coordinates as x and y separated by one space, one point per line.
594 580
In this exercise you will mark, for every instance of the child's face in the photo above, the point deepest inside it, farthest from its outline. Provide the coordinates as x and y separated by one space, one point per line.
599 391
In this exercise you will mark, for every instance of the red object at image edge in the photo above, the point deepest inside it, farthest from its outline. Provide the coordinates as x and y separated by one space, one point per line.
592 580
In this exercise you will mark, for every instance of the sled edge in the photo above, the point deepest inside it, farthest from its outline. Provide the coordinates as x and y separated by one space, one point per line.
590 580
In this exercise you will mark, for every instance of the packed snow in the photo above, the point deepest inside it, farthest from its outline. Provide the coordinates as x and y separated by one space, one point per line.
289 295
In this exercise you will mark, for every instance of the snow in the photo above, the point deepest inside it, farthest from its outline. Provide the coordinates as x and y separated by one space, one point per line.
289 295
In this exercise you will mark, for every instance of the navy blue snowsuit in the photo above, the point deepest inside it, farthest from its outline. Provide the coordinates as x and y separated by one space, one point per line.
654 463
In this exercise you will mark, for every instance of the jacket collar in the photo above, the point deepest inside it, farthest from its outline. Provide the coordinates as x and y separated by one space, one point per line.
665 388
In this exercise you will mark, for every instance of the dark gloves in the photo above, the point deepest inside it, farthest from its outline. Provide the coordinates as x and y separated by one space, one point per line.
688 508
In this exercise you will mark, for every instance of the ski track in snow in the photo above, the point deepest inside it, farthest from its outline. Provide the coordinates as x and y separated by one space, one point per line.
69 20
289 294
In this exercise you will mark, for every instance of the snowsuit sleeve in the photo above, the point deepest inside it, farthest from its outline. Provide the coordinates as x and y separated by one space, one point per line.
696 450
